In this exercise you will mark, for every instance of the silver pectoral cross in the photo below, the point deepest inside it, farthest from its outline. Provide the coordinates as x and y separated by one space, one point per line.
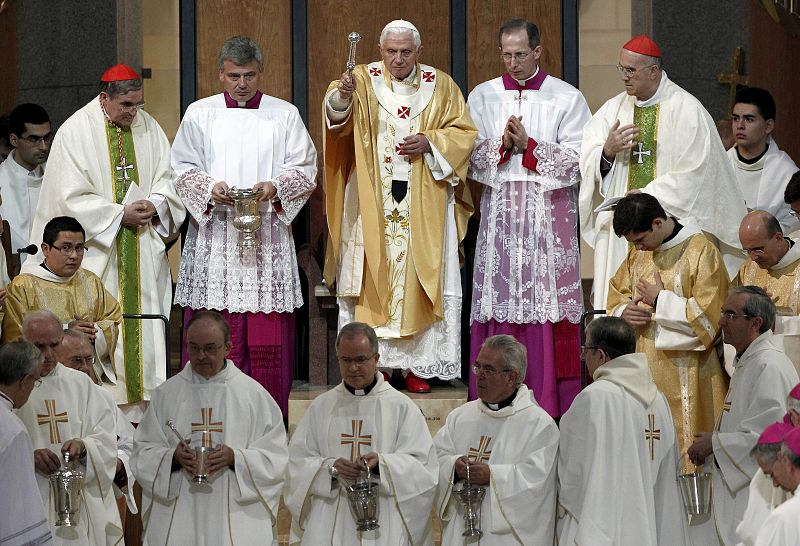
639 153
124 170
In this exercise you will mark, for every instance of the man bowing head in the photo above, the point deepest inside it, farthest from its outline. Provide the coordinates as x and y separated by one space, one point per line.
362 422
509 444
215 406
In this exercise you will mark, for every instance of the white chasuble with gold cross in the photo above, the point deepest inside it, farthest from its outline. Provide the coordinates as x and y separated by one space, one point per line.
340 424
519 443
67 405
434 352
239 504
763 377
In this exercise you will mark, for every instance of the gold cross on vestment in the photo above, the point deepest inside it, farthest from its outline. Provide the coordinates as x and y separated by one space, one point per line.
651 433
482 453
52 419
206 427
725 407
356 439
639 153
124 171
734 78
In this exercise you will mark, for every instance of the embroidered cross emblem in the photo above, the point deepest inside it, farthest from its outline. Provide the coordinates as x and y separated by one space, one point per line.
124 171
403 112
651 433
205 427
356 439
374 71
52 419
428 76
482 453
639 153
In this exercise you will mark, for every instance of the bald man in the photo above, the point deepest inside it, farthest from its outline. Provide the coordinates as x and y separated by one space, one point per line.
773 263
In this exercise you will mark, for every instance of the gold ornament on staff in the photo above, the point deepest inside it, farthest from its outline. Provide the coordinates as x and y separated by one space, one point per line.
353 38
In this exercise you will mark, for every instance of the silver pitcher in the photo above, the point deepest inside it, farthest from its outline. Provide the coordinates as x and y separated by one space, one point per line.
471 498
363 497
67 486
247 216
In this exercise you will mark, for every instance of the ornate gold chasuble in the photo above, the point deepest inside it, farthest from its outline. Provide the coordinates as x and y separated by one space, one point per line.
692 379
124 172
642 169
358 148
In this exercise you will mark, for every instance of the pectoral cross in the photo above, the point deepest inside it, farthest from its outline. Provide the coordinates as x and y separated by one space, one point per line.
206 427
52 419
639 153
482 453
124 170
356 439
651 433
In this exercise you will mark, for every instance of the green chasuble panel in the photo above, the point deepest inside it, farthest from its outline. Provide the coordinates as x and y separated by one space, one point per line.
124 173
642 169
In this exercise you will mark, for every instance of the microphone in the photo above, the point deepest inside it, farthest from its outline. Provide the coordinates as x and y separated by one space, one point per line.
30 249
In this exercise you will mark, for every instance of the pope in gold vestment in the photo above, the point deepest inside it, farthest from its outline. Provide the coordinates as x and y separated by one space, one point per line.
681 341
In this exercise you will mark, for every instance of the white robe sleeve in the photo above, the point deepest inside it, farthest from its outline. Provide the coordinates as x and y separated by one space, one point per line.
297 178
673 331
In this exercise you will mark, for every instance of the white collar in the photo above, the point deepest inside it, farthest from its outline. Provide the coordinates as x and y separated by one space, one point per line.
792 255
523 82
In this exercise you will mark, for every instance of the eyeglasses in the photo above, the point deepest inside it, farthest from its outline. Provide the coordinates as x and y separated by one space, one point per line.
35 140
730 315
628 71
487 371
210 350
67 250
519 57
585 348
357 360
753 251
37 381
131 108
78 360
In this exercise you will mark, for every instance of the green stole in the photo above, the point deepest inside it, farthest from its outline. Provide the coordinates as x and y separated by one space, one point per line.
123 173
642 165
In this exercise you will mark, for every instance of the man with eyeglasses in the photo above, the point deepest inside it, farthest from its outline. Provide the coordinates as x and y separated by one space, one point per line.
670 288
242 138
618 452
75 295
211 403
655 138
76 352
527 271
361 423
763 374
21 177
109 169
773 263
67 413
23 519
506 443
397 143
762 169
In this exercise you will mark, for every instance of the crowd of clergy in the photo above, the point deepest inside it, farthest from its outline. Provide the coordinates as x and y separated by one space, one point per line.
687 433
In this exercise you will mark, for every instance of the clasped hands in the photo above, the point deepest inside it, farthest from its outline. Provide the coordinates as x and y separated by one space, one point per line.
515 134
219 193
638 315
217 459
138 213
350 470
46 462
479 472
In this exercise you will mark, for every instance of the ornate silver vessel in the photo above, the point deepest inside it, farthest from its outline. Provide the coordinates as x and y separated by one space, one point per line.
363 497
247 217
67 486
471 498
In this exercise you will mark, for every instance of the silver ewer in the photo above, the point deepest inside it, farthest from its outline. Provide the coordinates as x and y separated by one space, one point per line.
363 497
471 498
247 217
67 487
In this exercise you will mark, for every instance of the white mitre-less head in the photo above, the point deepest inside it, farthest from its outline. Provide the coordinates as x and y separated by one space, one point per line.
401 26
